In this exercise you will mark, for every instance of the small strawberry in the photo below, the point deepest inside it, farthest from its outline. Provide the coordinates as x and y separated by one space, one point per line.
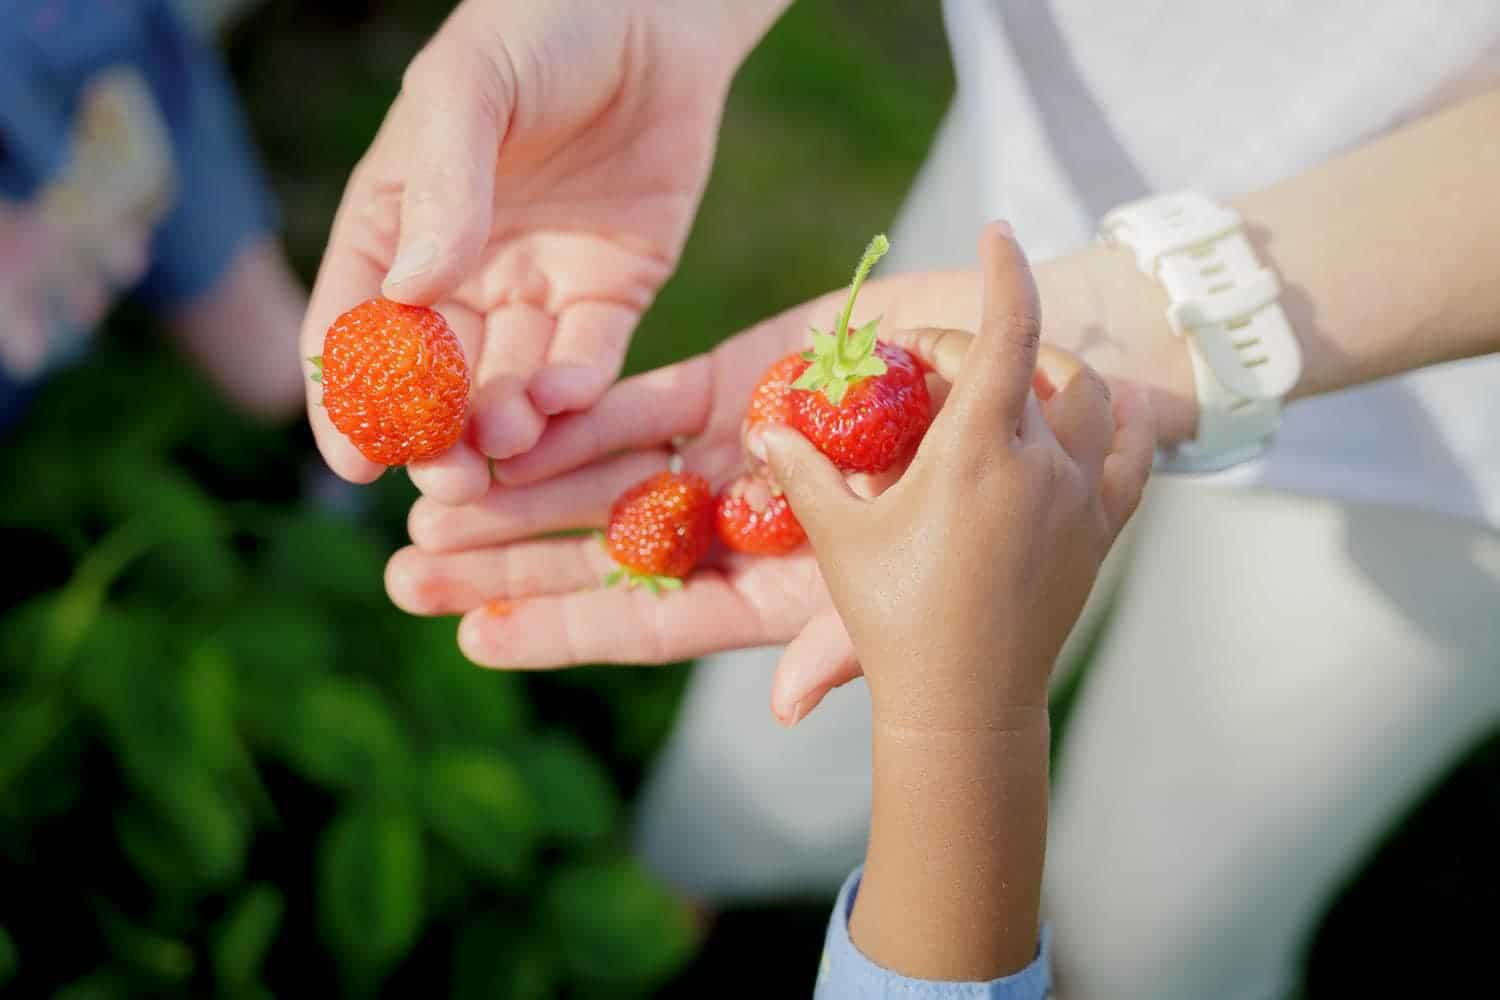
863 404
659 529
395 381
756 519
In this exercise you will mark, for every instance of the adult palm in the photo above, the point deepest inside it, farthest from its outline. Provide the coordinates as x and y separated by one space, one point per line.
535 181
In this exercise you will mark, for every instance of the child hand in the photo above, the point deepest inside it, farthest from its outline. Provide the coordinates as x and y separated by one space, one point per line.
959 584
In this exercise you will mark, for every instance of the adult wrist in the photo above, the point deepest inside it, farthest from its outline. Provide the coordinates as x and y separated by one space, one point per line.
1097 304
740 24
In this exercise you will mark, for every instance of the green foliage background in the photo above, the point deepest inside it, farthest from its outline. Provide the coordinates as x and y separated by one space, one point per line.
229 767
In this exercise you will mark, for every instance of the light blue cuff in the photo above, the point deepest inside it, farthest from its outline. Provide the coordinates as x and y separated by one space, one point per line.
846 974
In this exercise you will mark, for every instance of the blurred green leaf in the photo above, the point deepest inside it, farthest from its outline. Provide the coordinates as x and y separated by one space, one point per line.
324 557
244 936
495 958
102 985
161 959
575 796
341 733
193 557
477 802
210 828
453 701
10 959
370 873
618 929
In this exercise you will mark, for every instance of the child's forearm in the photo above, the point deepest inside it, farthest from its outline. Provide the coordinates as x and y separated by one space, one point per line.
952 880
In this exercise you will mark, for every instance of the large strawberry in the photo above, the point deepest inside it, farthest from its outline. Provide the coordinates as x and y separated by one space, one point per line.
756 519
863 404
395 381
659 529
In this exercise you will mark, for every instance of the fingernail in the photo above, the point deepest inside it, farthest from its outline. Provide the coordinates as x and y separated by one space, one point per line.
755 443
1004 229
414 259
795 718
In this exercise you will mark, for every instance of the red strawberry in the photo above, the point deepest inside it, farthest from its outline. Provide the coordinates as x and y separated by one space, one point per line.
770 402
659 529
863 404
395 381
756 519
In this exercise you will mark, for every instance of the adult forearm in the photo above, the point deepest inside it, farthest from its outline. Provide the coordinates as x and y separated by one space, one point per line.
952 880
1388 253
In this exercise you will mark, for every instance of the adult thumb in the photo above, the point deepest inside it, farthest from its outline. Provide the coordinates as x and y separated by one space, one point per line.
456 108
816 489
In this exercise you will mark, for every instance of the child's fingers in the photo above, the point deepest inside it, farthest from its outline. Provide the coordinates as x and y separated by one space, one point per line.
1076 405
644 411
818 660
816 489
996 380
574 500
453 105
1128 466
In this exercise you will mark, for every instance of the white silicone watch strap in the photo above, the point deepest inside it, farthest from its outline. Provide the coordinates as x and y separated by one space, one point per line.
1223 303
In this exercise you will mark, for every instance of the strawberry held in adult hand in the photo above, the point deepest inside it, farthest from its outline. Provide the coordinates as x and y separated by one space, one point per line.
864 404
756 519
659 529
395 381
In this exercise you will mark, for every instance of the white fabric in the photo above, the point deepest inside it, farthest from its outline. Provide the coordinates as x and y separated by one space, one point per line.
1282 675
1281 679
1080 105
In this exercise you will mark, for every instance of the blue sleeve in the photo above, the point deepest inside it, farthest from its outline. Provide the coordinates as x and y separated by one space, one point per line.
846 974
53 50
223 203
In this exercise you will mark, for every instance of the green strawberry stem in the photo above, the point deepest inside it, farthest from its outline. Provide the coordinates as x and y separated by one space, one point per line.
876 250
840 361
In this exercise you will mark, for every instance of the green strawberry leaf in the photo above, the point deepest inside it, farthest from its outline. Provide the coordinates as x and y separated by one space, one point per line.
317 363
869 368
862 341
823 343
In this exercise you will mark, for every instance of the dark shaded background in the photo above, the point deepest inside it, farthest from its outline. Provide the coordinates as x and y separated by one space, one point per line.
229 767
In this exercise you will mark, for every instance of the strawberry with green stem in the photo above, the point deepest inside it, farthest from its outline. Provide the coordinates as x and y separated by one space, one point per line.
660 529
863 403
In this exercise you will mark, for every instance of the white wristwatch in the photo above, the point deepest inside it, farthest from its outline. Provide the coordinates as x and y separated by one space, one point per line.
1223 303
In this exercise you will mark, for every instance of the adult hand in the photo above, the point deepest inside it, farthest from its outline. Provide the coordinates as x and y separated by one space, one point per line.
535 603
534 182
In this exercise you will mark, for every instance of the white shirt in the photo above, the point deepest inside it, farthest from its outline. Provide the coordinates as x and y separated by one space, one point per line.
1069 107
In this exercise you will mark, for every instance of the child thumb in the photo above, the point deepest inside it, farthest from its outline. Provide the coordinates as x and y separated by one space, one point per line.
816 489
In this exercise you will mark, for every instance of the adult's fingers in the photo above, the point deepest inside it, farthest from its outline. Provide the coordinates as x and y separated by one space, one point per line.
450 583
1128 466
578 499
1076 405
616 625
459 100
644 411
818 660
350 273
996 380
